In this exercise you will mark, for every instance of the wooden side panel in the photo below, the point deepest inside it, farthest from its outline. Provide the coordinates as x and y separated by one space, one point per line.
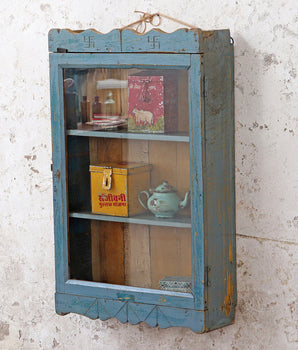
219 193
195 135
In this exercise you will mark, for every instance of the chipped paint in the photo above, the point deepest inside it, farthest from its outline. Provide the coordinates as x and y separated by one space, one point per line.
230 252
123 296
162 299
208 34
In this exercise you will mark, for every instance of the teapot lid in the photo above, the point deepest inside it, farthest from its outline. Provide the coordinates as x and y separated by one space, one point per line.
165 187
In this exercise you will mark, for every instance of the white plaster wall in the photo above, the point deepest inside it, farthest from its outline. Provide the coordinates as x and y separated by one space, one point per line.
266 175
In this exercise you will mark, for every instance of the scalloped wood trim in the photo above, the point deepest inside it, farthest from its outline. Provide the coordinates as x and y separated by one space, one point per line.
182 40
130 312
158 30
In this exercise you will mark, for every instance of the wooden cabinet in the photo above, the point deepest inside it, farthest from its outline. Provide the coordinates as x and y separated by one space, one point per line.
170 259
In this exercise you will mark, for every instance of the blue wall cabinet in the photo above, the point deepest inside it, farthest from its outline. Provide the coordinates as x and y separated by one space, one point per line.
138 122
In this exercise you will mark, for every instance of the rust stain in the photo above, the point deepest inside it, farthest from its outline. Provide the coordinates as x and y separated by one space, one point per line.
230 252
228 301
162 300
205 329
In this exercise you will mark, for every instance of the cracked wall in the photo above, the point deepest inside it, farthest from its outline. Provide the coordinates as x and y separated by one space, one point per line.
266 44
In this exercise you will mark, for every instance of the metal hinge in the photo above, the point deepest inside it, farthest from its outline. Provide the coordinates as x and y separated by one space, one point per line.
207 271
204 86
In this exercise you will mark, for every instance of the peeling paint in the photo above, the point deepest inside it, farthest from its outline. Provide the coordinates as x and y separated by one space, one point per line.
230 253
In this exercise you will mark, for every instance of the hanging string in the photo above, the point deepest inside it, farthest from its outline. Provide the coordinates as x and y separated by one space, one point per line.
153 19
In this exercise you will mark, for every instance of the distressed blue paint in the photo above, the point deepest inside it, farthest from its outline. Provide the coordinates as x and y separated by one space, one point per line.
151 319
84 41
92 312
143 219
66 303
212 176
181 41
59 175
171 317
140 295
142 312
219 187
115 307
103 313
177 137
142 61
125 297
134 313
195 124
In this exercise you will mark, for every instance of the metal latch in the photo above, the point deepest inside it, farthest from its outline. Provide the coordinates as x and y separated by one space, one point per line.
107 179
207 272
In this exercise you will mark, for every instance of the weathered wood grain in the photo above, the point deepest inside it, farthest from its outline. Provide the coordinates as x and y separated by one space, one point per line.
137 237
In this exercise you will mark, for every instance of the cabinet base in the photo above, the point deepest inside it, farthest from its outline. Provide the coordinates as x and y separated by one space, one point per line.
127 311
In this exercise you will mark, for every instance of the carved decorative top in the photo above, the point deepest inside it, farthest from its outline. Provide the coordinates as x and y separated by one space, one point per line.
126 40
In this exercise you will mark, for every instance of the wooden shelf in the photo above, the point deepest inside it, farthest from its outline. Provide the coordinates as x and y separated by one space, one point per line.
176 137
143 219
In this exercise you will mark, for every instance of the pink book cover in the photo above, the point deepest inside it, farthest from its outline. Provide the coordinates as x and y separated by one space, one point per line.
146 104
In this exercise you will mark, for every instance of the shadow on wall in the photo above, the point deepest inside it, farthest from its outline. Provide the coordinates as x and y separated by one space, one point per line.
252 133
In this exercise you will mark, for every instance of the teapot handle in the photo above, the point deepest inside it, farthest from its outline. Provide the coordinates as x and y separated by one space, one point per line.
140 199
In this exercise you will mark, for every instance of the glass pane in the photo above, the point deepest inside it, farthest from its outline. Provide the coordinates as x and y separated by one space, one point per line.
129 183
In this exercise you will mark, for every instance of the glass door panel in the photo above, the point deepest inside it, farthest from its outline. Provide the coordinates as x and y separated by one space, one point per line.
129 177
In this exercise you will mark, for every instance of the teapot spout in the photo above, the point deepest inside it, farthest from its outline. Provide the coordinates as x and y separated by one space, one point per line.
183 203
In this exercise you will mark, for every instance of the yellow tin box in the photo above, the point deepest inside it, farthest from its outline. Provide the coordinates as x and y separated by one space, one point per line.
115 187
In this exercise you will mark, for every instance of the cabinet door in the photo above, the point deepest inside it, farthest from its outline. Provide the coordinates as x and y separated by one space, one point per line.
132 177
